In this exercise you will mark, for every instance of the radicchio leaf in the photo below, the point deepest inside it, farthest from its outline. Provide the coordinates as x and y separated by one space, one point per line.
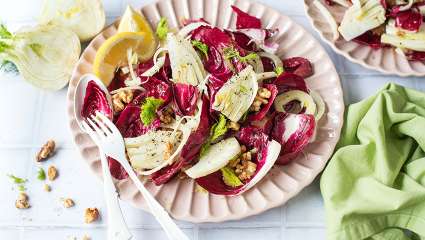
293 132
244 20
95 100
370 39
415 56
185 99
410 20
190 151
289 81
217 41
298 65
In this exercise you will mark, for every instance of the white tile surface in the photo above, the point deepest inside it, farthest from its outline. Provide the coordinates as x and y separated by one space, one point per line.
38 116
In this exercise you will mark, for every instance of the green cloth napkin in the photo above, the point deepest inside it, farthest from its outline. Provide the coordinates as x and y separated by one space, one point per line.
374 185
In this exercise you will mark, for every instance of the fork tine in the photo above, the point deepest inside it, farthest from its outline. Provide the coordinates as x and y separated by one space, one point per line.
89 130
99 132
107 122
101 125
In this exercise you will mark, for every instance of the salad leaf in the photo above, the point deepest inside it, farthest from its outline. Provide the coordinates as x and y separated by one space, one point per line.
230 178
149 108
95 100
219 128
41 174
244 20
17 180
201 47
162 28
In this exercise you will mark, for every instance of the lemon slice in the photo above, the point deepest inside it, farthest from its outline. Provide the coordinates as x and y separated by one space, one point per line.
113 53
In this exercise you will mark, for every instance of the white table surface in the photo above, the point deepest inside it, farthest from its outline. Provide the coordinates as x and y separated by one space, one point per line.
29 117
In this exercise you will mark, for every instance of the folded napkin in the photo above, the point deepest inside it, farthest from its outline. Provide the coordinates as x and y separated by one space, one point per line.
374 185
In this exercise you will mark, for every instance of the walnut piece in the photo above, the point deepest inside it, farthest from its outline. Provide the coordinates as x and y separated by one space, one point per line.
52 173
91 215
243 165
22 201
86 237
46 151
47 188
233 126
263 94
121 99
166 117
68 202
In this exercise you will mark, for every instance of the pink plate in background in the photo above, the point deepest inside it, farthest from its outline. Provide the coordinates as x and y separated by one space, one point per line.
385 60
182 198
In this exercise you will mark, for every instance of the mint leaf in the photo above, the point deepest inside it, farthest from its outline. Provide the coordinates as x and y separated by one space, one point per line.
41 174
201 47
231 52
279 70
149 108
162 29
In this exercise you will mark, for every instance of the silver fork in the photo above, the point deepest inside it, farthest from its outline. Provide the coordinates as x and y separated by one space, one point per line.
111 142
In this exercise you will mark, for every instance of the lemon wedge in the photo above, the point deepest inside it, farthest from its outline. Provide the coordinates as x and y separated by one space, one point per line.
113 53
135 33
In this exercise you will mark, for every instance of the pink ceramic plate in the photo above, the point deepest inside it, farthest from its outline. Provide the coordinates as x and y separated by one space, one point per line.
182 198
384 60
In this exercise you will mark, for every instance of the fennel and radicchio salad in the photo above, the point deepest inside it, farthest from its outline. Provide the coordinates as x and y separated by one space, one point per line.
382 23
215 105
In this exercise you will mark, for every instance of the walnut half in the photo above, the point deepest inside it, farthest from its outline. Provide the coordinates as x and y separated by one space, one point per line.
46 151
121 99
91 215
22 201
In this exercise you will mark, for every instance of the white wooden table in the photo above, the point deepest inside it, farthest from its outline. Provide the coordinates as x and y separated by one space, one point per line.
29 117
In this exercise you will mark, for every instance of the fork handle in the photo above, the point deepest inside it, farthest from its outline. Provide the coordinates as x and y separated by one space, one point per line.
161 215
117 228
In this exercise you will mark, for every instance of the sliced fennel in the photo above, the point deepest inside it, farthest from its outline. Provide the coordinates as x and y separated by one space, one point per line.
344 3
216 157
237 94
363 16
403 39
320 105
187 67
329 18
150 150
40 55
276 60
305 100
85 17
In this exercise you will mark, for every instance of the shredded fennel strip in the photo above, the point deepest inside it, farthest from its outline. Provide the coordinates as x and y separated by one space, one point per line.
190 27
329 18
343 3
407 6
159 51
266 75
276 60
155 68
127 88
134 79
